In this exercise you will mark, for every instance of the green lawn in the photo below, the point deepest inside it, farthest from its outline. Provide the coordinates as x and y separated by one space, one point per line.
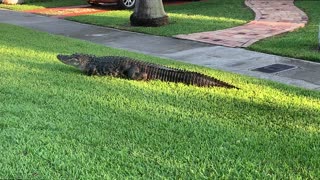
302 43
39 4
58 123
187 18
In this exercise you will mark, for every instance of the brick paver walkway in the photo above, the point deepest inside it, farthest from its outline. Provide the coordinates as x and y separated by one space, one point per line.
273 17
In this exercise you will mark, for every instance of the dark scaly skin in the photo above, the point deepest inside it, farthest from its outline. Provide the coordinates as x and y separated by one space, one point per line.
124 67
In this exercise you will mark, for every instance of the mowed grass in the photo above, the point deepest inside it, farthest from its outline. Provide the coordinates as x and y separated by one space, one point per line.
186 18
56 122
28 5
302 43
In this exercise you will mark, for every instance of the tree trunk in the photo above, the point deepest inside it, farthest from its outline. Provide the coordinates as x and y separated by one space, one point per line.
149 13
12 1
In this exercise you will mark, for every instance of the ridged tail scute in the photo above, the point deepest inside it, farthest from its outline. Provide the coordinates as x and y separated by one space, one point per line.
187 77
202 80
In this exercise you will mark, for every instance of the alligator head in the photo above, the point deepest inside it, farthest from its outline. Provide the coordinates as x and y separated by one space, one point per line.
77 60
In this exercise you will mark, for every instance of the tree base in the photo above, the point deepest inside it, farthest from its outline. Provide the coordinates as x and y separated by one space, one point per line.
153 22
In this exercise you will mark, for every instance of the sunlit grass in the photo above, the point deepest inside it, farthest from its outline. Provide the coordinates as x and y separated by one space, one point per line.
56 122
302 43
207 18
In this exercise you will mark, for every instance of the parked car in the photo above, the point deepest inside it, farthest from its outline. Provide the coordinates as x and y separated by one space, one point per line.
125 4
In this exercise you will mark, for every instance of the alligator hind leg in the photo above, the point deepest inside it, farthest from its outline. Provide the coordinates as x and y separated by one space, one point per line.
142 76
134 73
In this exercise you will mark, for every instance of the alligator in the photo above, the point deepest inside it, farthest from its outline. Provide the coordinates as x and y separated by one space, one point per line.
128 68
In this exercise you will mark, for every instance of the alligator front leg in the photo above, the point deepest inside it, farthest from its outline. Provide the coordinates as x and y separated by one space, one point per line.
92 70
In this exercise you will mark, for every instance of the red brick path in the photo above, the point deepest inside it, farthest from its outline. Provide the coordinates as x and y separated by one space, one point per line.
273 17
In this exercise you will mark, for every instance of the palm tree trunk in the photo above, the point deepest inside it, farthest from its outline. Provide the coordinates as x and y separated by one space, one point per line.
149 13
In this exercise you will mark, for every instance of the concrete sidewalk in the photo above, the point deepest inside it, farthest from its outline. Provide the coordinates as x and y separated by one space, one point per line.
304 74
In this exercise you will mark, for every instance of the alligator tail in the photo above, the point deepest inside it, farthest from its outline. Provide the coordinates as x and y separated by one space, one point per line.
186 77
201 80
